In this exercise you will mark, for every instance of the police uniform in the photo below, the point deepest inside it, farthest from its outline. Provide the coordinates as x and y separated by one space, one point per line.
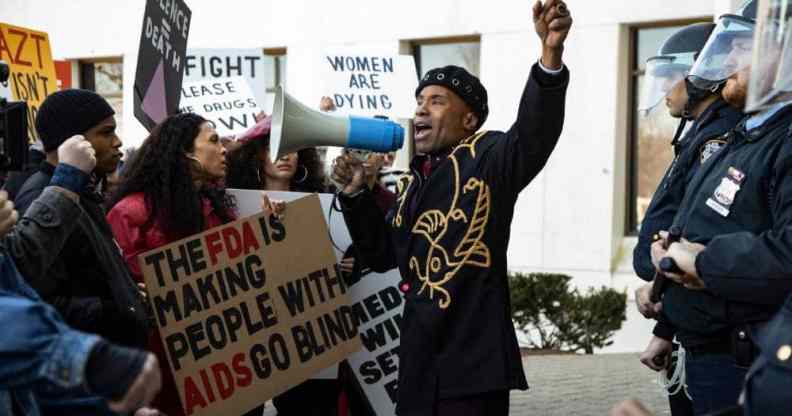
703 139
767 388
448 234
739 205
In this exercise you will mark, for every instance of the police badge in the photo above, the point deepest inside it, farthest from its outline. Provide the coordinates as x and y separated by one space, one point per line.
724 195
710 148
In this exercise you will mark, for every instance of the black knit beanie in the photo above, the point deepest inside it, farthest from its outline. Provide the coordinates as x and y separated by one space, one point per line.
66 113
463 84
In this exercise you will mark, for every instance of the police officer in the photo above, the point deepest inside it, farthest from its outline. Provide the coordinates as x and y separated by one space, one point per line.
766 391
712 119
733 267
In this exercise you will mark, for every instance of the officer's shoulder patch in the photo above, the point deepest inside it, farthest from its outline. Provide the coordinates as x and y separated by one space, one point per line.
710 147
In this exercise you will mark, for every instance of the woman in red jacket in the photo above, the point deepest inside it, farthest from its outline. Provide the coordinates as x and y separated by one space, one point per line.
171 190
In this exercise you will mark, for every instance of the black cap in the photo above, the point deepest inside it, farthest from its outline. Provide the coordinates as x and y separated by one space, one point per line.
462 83
66 113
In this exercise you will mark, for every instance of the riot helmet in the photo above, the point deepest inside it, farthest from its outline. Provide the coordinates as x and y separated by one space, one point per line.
672 63
728 50
771 67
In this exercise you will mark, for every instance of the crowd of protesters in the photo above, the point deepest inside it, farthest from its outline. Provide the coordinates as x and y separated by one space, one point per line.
717 242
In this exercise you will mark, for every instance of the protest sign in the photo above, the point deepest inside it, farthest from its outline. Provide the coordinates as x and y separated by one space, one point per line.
376 302
249 309
204 64
226 102
369 84
161 56
378 305
28 54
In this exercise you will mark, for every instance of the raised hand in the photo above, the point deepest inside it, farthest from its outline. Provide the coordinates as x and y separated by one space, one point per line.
552 21
78 152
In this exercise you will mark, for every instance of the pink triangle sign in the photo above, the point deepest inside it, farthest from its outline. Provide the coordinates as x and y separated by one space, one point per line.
154 101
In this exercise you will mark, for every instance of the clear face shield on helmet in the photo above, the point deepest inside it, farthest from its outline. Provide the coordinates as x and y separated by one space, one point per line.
662 73
728 50
771 71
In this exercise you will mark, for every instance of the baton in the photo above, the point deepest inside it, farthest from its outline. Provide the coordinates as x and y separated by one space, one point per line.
667 264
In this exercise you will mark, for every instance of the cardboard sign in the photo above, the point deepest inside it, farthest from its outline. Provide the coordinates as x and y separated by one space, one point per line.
250 309
28 54
204 64
376 301
378 306
226 102
369 84
161 59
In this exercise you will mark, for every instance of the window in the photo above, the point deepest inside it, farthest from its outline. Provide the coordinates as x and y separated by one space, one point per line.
462 52
649 150
106 78
275 70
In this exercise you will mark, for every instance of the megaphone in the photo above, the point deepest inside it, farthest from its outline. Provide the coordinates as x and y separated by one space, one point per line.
295 126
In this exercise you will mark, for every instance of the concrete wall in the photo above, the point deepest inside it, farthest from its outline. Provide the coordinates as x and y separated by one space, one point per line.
570 219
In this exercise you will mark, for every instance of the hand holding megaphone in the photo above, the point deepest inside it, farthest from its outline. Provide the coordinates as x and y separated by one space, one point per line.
350 173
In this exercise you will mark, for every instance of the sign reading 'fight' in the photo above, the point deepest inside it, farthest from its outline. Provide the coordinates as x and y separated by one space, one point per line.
250 309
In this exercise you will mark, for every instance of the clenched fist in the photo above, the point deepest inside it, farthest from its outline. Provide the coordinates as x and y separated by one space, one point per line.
78 152
349 173
552 21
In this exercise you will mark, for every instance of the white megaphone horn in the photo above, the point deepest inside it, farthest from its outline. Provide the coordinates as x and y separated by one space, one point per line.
296 126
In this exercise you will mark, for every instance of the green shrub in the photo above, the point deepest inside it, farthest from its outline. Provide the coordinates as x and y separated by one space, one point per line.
557 317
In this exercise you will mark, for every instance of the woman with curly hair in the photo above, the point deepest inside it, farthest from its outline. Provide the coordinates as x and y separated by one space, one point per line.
170 190
249 166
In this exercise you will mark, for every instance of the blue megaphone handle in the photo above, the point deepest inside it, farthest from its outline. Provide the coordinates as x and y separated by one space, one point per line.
374 134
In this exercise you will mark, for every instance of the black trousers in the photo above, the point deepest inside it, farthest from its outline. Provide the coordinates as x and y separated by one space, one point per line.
494 403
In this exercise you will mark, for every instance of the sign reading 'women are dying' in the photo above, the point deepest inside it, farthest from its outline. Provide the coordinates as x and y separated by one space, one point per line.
369 84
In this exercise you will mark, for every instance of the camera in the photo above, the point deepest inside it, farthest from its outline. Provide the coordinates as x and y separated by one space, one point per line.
13 129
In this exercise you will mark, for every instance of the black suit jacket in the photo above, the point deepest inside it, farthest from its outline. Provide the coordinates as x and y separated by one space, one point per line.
457 336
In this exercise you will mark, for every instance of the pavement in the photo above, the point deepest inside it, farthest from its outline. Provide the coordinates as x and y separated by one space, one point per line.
572 385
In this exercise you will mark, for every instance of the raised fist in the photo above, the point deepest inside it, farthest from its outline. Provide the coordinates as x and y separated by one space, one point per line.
78 152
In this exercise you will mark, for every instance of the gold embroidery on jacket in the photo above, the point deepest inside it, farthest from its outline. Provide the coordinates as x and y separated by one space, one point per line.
433 225
402 185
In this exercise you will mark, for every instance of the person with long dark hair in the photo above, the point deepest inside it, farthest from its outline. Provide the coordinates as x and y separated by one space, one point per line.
249 165
172 189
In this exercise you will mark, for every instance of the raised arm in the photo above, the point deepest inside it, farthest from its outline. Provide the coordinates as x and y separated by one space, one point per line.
516 159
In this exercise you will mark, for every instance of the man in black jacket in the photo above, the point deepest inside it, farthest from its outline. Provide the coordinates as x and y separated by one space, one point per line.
449 230
712 118
89 284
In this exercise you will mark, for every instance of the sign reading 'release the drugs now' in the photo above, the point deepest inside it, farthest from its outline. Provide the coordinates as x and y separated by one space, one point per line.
29 57
369 84
228 103
250 309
